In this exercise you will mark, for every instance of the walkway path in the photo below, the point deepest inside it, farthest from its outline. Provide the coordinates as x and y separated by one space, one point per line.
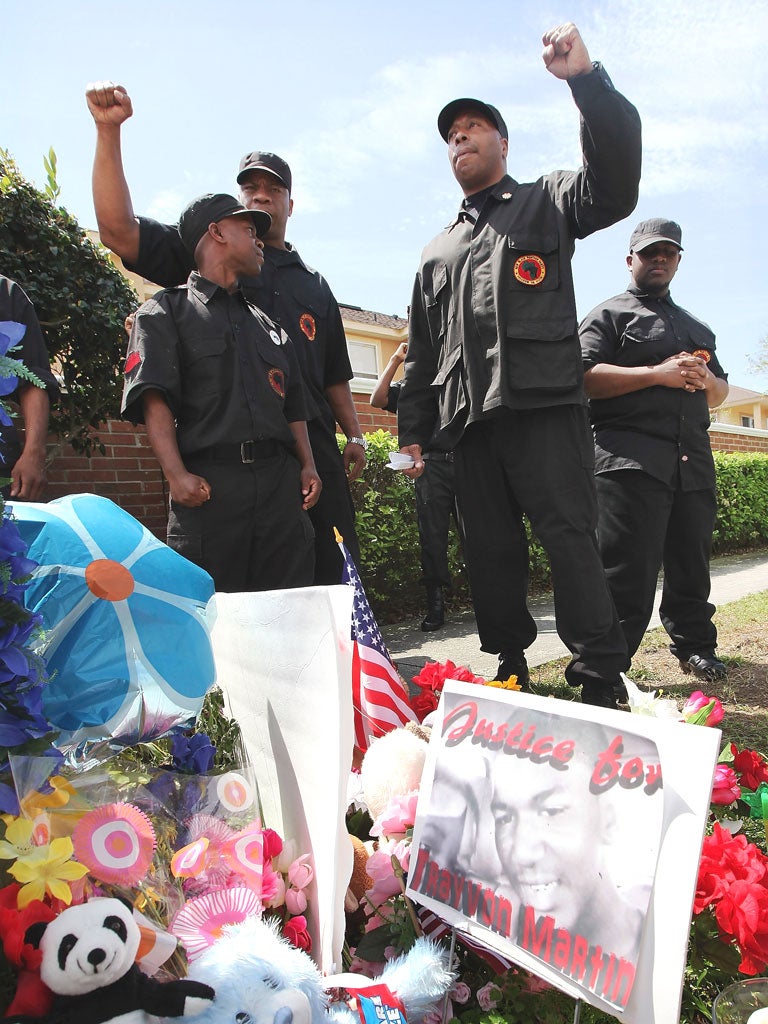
733 576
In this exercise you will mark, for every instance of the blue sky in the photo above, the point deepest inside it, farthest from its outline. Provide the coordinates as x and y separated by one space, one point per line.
349 93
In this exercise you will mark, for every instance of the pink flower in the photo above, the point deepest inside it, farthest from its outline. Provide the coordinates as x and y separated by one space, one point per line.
725 787
301 872
295 901
488 996
397 816
436 1016
272 887
701 710
460 992
390 952
379 867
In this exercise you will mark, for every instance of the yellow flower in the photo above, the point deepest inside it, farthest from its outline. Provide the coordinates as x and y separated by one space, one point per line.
59 795
505 684
18 839
48 869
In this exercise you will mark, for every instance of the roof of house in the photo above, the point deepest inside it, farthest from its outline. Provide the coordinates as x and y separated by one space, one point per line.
742 396
367 316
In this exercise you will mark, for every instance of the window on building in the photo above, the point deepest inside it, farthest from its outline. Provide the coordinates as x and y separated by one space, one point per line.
747 421
364 357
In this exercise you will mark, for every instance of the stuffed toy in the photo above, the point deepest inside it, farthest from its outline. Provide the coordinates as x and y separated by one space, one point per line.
88 962
31 997
392 767
259 978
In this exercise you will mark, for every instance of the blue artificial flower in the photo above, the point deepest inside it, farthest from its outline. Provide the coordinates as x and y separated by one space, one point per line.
11 334
192 754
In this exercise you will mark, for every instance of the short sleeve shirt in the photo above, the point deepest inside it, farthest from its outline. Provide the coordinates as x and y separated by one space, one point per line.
662 431
293 295
226 371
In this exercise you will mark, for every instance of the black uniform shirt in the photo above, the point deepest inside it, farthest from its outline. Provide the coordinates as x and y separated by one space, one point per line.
662 431
16 306
493 313
292 294
227 372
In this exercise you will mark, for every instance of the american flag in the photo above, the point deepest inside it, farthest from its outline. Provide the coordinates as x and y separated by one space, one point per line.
379 700
436 928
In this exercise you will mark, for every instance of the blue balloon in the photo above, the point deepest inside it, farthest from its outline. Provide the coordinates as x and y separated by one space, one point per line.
125 635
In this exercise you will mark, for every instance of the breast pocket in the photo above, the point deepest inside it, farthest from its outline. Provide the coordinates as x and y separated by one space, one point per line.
205 364
538 308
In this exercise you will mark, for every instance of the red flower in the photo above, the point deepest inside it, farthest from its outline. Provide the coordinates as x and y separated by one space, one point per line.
273 844
295 930
743 914
750 767
424 703
433 675
733 879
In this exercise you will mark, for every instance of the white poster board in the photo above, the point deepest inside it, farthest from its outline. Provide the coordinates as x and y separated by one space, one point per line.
284 662
567 838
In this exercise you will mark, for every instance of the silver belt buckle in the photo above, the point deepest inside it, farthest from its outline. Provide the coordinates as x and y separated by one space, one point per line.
246 452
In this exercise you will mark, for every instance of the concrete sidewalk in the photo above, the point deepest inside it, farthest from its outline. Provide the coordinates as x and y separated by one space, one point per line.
733 576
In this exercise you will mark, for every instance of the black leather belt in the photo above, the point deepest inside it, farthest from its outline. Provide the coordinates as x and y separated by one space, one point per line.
245 452
438 456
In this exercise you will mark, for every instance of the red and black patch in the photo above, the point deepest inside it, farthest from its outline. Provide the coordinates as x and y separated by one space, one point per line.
703 353
308 325
132 362
529 269
277 381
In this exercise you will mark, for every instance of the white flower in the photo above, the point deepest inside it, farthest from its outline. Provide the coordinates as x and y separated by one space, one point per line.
642 702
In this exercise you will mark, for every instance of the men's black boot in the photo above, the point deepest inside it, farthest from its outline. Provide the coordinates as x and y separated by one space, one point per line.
514 664
435 616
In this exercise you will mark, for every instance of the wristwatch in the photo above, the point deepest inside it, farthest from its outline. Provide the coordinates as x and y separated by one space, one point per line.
358 440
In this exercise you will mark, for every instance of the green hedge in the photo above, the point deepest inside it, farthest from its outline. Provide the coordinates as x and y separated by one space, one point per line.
386 524
742 501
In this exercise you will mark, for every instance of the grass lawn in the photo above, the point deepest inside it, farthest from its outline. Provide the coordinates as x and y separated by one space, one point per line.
742 629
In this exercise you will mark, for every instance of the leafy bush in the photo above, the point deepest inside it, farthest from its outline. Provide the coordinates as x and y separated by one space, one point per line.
80 297
742 501
386 524
385 508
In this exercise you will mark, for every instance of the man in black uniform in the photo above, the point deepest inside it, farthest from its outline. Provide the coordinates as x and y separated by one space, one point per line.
435 501
220 390
652 376
493 357
26 465
296 297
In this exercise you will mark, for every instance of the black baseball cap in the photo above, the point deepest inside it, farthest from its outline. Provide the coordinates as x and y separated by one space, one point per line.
210 208
447 115
270 162
655 230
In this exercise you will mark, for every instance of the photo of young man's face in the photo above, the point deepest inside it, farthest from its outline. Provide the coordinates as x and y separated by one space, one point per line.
549 833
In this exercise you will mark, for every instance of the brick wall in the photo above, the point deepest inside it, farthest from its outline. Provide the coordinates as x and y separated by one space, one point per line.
373 419
128 474
734 440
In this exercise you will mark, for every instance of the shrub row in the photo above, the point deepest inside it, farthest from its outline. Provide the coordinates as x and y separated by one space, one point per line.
386 522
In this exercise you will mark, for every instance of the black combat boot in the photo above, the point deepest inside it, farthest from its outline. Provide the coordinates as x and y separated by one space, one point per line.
435 616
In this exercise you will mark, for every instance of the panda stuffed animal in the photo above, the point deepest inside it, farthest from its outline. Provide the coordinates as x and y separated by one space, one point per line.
88 962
